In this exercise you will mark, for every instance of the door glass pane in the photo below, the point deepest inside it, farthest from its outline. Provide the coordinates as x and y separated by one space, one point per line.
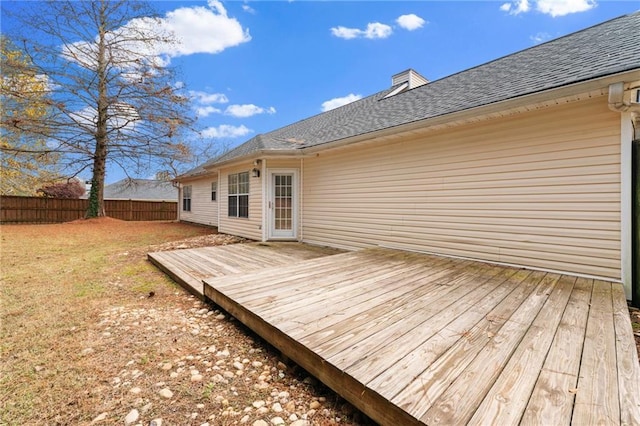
283 202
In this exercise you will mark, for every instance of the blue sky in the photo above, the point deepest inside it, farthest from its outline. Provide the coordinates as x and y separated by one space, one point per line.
254 66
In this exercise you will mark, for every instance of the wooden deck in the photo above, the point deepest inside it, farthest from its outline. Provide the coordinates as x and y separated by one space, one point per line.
417 339
189 267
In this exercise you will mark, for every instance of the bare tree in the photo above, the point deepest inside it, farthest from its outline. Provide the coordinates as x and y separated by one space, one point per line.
113 97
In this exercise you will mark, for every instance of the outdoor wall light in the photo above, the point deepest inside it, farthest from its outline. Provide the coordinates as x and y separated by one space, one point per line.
255 173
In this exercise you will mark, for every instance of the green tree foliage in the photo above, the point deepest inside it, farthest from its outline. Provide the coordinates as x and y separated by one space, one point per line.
26 163
114 97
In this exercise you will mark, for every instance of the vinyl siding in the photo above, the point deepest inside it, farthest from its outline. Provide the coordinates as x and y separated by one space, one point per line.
540 189
250 227
203 210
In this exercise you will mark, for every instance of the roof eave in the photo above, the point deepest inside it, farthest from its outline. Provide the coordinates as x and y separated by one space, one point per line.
257 154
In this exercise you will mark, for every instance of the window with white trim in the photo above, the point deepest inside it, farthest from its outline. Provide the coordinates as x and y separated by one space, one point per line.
186 198
239 195
214 191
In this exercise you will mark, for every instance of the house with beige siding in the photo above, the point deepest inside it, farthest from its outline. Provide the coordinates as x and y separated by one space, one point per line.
525 160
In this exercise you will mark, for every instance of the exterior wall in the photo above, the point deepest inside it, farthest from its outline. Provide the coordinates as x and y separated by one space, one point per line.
203 210
250 227
539 189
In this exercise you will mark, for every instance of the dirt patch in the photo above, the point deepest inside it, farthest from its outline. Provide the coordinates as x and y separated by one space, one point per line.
92 333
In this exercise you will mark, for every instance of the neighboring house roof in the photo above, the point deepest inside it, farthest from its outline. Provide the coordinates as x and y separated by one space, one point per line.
141 189
608 48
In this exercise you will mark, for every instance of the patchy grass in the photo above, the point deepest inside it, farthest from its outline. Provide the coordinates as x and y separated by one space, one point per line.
88 326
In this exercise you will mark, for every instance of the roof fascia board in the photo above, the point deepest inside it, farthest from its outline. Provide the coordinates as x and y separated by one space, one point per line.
263 153
484 110
178 179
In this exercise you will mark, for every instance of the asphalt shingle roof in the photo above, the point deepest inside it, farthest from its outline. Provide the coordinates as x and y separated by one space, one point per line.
141 189
605 49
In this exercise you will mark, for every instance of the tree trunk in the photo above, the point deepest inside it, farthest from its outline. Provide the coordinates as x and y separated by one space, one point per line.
96 197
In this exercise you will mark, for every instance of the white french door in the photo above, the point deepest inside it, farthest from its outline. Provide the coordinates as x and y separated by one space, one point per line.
282 208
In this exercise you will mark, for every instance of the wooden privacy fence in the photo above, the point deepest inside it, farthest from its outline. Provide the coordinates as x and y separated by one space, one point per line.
14 209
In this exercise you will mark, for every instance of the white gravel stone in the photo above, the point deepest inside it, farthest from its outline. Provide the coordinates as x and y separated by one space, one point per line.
314 405
220 317
276 408
133 416
155 422
277 421
196 378
256 364
202 311
223 354
300 423
238 365
100 417
166 393
260 423
245 419
258 404
135 390
167 366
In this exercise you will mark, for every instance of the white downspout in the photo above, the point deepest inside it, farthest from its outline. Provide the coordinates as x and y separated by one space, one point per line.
627 102
301 205
624 101
265 199
626 130
219 202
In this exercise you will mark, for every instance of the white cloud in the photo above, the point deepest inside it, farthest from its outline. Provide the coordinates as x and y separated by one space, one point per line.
208 98
516 7
374 30
197 29
248 9
346 33
205 111
225 131
410 22
203 30
247 110
121 116
564 7
554 8
338 102
540 37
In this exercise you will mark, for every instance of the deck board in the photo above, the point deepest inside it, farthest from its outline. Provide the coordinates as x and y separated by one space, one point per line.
597 398
419 339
